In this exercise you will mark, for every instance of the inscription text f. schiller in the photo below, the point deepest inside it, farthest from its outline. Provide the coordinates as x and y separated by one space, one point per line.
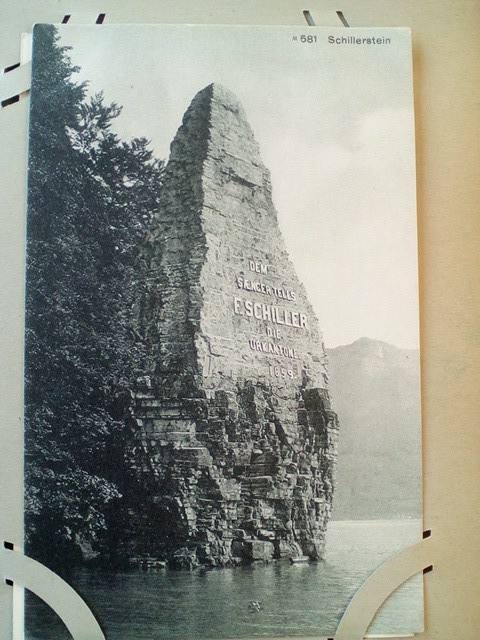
267 312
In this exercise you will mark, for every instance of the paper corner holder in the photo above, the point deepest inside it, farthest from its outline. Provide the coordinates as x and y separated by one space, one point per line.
380 585
53 590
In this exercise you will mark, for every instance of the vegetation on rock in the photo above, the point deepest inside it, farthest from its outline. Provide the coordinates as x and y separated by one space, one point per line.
92 198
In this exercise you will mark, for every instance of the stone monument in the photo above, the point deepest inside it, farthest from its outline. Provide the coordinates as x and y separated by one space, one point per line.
234 428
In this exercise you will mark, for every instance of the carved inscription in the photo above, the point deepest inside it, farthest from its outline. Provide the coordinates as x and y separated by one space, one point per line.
269 313
273 316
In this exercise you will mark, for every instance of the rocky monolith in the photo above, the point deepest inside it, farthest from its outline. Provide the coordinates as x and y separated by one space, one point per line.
234 428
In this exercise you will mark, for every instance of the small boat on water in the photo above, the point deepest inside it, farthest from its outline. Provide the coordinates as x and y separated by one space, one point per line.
299 559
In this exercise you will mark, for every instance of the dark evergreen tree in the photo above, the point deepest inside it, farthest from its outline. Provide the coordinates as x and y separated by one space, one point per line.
91 199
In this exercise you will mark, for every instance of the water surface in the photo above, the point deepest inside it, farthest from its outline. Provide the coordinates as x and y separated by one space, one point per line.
295 600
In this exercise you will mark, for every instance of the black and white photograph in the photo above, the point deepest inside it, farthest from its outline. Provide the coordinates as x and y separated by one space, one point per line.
222 378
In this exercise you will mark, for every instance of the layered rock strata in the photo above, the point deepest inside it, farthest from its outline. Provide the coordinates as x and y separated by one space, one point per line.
234 428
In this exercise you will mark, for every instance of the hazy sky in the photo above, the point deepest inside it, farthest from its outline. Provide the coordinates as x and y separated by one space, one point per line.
335 127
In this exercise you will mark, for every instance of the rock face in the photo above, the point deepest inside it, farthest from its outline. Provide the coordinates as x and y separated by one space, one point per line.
234 428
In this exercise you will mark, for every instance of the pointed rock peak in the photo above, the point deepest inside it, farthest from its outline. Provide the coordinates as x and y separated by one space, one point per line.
216 92
215 130
226 98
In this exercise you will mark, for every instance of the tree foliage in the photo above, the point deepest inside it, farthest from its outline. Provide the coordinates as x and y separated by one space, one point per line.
91 200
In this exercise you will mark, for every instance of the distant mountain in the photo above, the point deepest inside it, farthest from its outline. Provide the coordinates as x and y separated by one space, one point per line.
375 389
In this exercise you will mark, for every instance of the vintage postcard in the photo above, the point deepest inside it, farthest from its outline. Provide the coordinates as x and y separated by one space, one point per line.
222 372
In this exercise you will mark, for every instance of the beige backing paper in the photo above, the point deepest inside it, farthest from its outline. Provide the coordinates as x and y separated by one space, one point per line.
447 104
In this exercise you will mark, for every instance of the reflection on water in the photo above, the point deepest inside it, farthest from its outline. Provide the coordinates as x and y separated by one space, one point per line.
295 600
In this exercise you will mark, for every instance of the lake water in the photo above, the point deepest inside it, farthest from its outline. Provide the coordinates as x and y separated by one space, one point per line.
296 600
